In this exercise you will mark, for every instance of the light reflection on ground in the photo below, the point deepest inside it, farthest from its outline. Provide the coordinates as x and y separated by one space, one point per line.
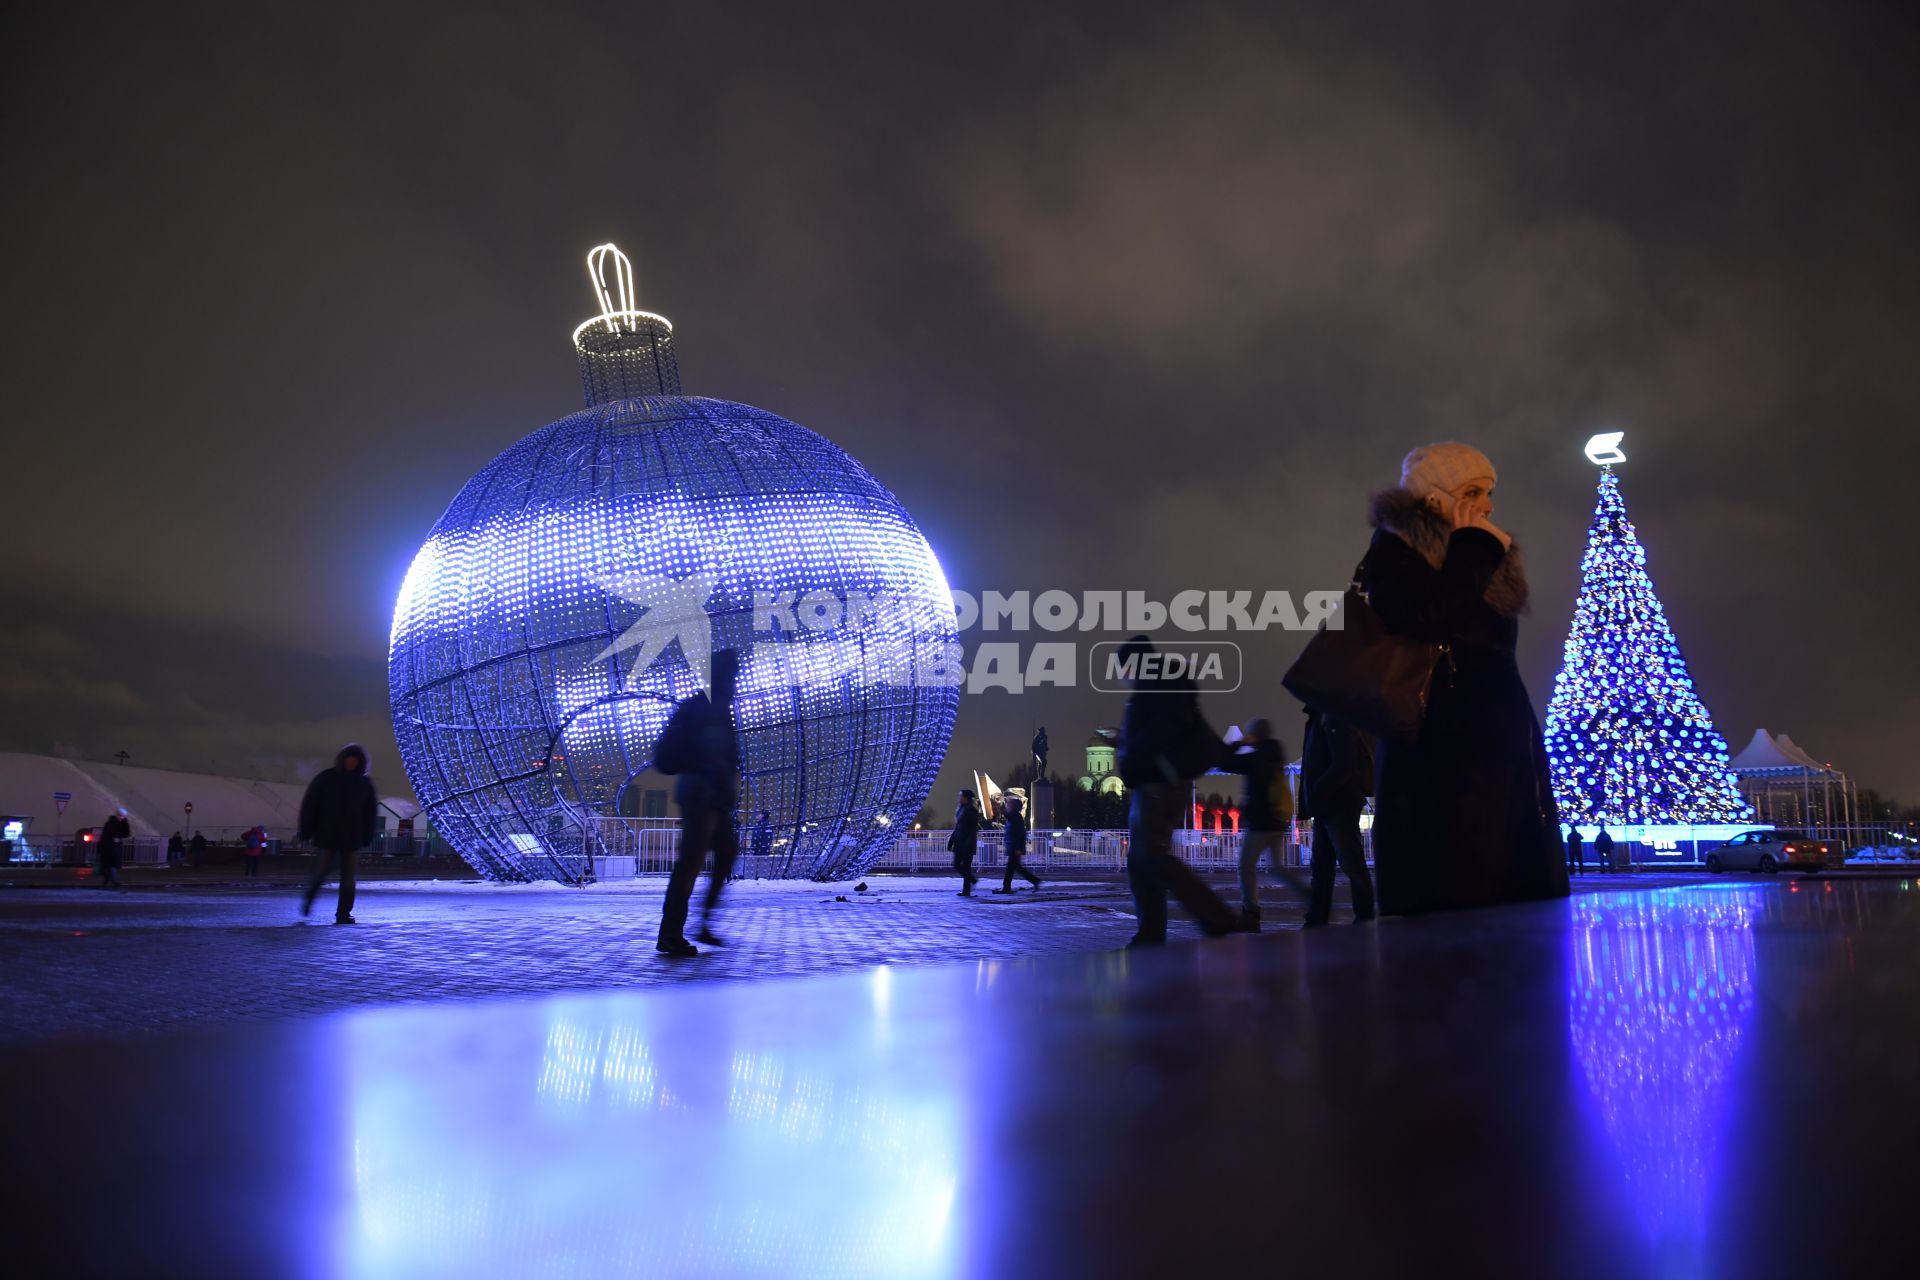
584 1149
1661 991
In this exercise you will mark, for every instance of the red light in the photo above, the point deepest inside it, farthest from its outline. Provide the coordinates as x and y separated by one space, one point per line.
87 838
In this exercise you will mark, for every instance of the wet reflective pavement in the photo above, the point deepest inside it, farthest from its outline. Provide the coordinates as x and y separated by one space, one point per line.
1704 1081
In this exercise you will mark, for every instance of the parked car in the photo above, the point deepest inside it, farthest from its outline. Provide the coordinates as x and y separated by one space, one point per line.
1769 851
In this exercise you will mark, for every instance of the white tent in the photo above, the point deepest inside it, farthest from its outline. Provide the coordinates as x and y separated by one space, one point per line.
1788 787
155 799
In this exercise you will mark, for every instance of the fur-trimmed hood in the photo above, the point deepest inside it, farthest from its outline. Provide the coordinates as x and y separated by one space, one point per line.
1425 530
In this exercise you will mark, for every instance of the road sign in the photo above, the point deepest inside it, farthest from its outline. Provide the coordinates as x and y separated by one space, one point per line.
61 800
189 806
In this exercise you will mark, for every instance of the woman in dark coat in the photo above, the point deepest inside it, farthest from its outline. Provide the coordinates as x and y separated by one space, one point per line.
1464 816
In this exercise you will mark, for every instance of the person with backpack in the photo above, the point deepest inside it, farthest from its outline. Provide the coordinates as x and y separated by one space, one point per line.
701 745
253 847
1336 777
1016 846
964 843
1266 810
1164 744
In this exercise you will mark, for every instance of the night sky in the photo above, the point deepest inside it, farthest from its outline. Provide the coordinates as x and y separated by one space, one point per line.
1111 296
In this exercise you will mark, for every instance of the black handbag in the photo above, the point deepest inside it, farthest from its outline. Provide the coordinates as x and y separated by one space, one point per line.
1364 673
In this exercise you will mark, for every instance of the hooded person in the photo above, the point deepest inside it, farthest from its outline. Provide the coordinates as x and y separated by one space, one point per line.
337 818
1464 814
703 743
1016 846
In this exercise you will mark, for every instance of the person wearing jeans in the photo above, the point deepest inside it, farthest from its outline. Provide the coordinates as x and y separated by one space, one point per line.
337 817
1164 744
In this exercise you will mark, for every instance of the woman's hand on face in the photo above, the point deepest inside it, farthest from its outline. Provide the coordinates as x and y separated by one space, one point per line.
1465 514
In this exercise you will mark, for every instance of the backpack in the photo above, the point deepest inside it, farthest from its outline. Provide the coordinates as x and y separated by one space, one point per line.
1279 794
1196 747
678 748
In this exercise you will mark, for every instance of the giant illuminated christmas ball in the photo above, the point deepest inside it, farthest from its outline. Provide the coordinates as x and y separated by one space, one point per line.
578 585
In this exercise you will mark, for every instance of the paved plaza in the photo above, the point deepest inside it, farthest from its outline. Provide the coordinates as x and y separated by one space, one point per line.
1689 1080
209 948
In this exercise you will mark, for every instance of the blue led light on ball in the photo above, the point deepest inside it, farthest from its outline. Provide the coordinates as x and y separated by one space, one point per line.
573 591
1628 739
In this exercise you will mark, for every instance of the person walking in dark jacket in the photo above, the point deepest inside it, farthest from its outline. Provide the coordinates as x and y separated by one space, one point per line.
1016 846
337 818
1603 850
707 791
176 850
1164 745
1464 814
197 849
1336 775
1263 760
964 843
1576 853
115 829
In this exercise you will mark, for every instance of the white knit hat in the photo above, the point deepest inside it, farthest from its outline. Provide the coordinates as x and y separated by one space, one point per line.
1443 468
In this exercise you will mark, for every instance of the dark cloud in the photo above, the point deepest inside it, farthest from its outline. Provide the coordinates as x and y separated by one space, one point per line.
1111 296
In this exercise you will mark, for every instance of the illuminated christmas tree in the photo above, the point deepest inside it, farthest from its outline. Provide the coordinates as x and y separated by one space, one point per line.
1628 737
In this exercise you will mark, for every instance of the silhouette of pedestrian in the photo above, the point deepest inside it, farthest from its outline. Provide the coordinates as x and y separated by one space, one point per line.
1603 850
1576 853
176 850
197 848
337 817
1016 846
115 829
1265 811
964 843
1164 744
1336 776
702 746
762 846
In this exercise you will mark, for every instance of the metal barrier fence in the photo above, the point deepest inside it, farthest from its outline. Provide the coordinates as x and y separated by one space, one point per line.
646 846
628 847
151 851
1065 852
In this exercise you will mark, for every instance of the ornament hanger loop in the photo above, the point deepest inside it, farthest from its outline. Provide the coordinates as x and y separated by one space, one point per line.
622 280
